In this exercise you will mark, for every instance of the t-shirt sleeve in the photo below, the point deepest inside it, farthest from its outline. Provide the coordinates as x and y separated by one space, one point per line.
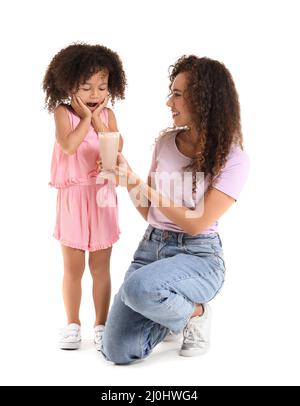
234 174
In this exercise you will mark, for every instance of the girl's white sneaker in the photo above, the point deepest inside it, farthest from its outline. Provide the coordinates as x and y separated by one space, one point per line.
70 337
98 335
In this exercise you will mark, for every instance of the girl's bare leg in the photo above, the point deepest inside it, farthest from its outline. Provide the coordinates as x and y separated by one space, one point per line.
99 264
74 264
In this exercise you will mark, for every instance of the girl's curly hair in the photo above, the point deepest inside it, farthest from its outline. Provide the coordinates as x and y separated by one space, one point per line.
74 65
213 102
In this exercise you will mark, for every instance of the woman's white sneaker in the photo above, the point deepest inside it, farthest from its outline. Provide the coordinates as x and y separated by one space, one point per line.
172 337
98 336
196 334
70 337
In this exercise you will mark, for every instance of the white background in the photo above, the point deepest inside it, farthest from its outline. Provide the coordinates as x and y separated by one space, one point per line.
255 330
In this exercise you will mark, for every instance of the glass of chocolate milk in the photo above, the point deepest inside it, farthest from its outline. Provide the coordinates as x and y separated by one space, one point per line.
108 144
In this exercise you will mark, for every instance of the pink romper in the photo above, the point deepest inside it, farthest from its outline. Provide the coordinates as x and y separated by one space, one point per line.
82 220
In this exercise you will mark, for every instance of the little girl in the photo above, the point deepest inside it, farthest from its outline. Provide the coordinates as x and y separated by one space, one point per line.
78 83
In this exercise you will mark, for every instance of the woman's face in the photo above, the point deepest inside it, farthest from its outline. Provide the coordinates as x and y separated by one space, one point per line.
177 101
94 90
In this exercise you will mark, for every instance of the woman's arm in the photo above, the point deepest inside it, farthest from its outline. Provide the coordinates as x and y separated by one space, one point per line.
193 222
141 202
213 205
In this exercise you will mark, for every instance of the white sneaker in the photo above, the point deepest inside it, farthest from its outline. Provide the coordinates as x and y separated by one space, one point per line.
98 335
196 334
70 337
172 337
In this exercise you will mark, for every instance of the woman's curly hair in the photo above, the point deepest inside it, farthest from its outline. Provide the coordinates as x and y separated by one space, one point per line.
213 102
74 65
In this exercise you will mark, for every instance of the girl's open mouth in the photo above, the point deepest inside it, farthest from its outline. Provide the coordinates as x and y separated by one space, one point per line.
92 104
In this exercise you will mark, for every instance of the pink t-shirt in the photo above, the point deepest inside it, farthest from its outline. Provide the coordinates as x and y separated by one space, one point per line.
79 168
169 178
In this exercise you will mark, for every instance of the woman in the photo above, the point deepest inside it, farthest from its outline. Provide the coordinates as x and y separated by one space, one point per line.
178 266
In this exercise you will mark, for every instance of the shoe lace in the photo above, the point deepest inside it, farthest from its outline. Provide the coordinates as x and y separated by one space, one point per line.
67 332
99 335
192 334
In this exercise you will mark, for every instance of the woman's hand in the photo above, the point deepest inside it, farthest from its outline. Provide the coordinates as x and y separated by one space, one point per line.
96 120
122 175
80 108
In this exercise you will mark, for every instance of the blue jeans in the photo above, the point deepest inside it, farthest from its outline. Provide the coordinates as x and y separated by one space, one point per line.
169 274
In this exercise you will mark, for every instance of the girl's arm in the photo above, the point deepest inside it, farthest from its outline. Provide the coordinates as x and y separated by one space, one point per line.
112 125
68 139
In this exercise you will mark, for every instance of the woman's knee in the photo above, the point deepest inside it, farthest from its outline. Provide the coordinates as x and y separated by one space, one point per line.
117 349
116 355
139 292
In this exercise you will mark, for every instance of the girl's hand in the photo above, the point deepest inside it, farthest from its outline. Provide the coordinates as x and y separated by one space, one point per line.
100 107
96 120
80 108
99 165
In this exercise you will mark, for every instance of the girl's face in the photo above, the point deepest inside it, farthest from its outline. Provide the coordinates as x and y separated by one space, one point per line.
177 101
94 90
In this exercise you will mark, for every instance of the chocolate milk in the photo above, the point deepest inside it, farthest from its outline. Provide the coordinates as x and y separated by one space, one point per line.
109 144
